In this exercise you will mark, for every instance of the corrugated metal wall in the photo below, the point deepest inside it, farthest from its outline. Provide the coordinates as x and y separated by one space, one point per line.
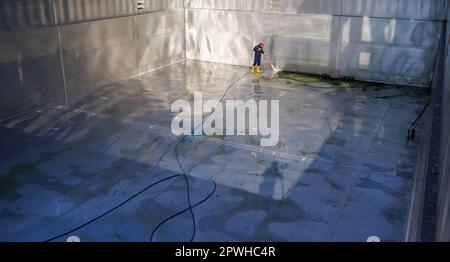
391 41
53 50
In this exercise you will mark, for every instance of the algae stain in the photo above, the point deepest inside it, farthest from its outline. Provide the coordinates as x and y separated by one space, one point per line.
221 137
255 142
299 77
311 79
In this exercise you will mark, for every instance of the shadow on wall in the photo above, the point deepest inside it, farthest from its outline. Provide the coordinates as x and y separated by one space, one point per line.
313 37
384 49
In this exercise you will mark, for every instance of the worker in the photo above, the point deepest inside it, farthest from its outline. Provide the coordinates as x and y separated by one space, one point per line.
259 51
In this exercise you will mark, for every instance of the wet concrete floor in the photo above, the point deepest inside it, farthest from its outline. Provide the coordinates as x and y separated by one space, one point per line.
342 171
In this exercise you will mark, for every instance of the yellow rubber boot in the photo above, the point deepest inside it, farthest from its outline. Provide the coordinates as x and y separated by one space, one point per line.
253 69
258 69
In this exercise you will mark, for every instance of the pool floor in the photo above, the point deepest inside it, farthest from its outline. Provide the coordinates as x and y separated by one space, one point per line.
342 171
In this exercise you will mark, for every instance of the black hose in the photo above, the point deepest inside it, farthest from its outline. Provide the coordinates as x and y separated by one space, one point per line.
419 117
183 174
112 209
190 208
415 124
188 192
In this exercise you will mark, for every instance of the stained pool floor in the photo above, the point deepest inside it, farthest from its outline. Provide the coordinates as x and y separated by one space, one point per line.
342 171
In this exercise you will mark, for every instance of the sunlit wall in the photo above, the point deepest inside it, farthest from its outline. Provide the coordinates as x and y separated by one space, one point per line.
392 41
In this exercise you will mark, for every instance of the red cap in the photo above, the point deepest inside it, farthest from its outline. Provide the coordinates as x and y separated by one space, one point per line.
261 44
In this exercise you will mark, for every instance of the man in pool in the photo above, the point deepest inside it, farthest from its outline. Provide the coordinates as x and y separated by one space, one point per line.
259 51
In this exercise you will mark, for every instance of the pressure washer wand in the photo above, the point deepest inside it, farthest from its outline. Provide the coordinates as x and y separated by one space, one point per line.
274 68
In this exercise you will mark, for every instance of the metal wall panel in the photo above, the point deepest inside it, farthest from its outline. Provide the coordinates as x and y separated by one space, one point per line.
87 10
30 70
159 5
160 23
102 52
387 64
98 53
303 55
331 7
410 33
102 41
404 9
389 50
306 43
16 15
160 50
312 36
219 36
241 5
278 6
161 38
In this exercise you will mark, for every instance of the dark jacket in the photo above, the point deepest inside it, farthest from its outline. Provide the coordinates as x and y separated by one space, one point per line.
258 51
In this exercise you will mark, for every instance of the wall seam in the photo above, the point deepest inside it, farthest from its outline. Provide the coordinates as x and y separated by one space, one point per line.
136 38
339 43
61 54
185 30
